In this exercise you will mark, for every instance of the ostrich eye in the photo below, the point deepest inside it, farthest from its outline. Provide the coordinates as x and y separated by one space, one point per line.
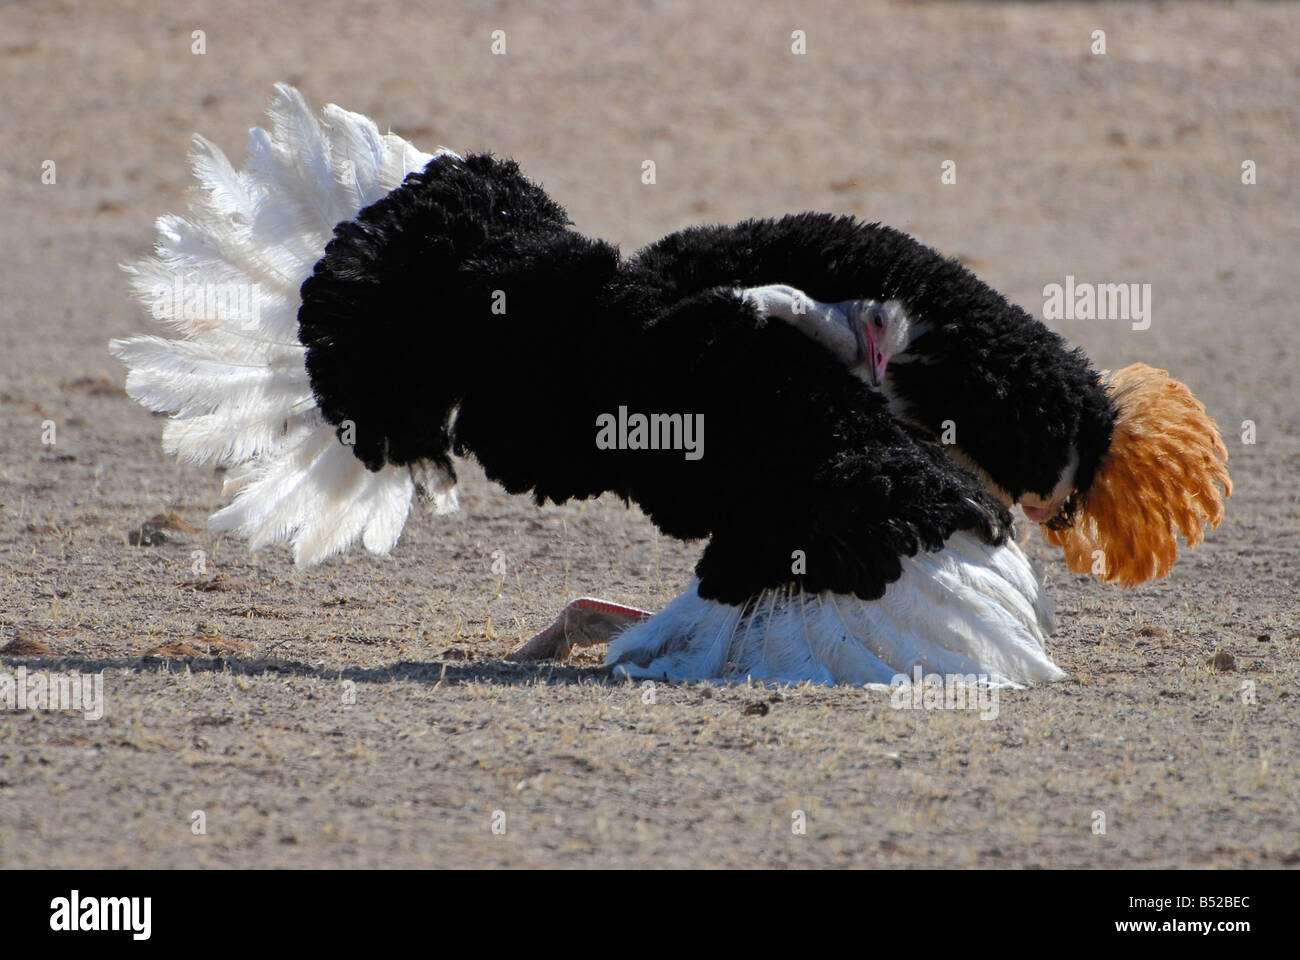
878 322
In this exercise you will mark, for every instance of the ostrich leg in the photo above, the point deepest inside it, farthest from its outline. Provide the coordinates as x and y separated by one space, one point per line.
583 623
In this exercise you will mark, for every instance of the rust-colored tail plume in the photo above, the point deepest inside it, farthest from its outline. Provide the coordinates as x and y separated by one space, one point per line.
1161 477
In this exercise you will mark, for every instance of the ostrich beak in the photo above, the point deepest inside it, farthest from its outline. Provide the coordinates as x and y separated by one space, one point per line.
870 327
864 319
867 349
1040 514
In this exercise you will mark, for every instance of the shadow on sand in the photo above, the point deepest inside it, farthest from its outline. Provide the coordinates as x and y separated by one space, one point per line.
431 672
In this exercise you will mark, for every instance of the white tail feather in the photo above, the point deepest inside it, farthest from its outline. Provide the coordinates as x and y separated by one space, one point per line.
225 280
967 609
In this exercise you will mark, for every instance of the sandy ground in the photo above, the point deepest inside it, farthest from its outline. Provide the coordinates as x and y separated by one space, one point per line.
1117 168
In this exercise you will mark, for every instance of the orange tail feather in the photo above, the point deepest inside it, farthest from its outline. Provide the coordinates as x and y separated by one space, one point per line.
1165 474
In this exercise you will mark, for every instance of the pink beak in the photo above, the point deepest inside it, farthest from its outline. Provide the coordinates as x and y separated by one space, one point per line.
878 361
870 349
1038 514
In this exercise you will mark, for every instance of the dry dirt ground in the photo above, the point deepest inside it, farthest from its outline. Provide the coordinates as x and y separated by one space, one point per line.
1122 167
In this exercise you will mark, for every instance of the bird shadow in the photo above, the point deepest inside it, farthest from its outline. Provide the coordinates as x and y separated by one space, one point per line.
427 672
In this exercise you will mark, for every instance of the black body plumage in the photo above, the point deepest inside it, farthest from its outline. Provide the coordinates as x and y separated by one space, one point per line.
799 454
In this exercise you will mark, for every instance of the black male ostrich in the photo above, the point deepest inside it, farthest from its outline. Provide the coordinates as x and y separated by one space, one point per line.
352 313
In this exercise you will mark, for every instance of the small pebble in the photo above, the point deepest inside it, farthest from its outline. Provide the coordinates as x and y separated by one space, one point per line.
1222 661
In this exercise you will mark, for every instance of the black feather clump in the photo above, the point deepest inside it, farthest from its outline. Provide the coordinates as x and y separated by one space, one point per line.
398 316
799 456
